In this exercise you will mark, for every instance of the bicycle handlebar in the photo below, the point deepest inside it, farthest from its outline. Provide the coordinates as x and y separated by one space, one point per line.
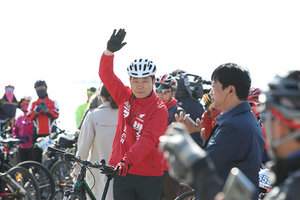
2 121
53 135
106 169
10 141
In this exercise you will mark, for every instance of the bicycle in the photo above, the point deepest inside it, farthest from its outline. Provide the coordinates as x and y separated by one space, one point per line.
42 174
59 140
44 142
59 169
17 183
80 187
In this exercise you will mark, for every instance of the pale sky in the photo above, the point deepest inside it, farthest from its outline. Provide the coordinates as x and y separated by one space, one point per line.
62 41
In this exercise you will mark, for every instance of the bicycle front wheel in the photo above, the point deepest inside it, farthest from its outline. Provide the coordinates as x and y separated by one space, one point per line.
26 180
61 174
189 195
43 177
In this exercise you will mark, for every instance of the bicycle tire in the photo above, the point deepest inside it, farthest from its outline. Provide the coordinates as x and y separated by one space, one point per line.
49 163
189 195
183 187
27 181
43 177
61 174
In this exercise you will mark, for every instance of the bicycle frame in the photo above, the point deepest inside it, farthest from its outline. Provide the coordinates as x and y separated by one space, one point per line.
13 185
80 187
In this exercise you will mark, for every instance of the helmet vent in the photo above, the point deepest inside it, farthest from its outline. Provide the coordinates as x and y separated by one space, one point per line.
141 68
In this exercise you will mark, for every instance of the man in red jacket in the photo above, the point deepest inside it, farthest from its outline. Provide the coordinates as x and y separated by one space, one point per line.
141 121
42 112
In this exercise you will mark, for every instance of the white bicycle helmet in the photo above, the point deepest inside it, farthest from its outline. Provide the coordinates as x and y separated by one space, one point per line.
141 68
166 80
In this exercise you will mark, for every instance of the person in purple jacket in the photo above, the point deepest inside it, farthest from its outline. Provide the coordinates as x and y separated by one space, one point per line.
23 130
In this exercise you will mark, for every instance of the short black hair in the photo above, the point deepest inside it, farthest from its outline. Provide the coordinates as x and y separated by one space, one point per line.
92 89
232 74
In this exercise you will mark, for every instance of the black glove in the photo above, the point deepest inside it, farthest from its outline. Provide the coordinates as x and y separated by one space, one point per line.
38 108
45 108
115 42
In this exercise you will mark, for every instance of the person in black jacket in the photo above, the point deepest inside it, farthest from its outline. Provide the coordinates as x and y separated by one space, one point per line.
8 106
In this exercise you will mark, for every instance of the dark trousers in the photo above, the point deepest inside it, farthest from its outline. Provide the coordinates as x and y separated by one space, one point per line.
134 187
25 154
37 153
169 188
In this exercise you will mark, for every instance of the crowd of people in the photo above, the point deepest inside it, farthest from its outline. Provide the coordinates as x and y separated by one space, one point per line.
35 122
157 133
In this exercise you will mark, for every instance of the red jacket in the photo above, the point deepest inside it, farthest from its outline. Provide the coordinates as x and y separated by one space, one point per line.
208 122
43 120
140 124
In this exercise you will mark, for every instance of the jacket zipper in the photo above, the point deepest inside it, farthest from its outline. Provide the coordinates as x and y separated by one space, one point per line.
133 118
152 159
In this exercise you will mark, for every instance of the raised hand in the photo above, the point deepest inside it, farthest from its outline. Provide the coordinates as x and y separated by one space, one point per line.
115 42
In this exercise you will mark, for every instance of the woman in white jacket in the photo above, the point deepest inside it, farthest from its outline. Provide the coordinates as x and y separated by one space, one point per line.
95 141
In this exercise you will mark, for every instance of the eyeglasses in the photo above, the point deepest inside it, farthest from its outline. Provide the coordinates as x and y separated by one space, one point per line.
164 91
9 89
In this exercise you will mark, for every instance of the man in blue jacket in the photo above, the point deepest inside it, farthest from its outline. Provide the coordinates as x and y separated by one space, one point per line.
237 139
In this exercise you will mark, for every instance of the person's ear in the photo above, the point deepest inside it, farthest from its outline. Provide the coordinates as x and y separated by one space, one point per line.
231 89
